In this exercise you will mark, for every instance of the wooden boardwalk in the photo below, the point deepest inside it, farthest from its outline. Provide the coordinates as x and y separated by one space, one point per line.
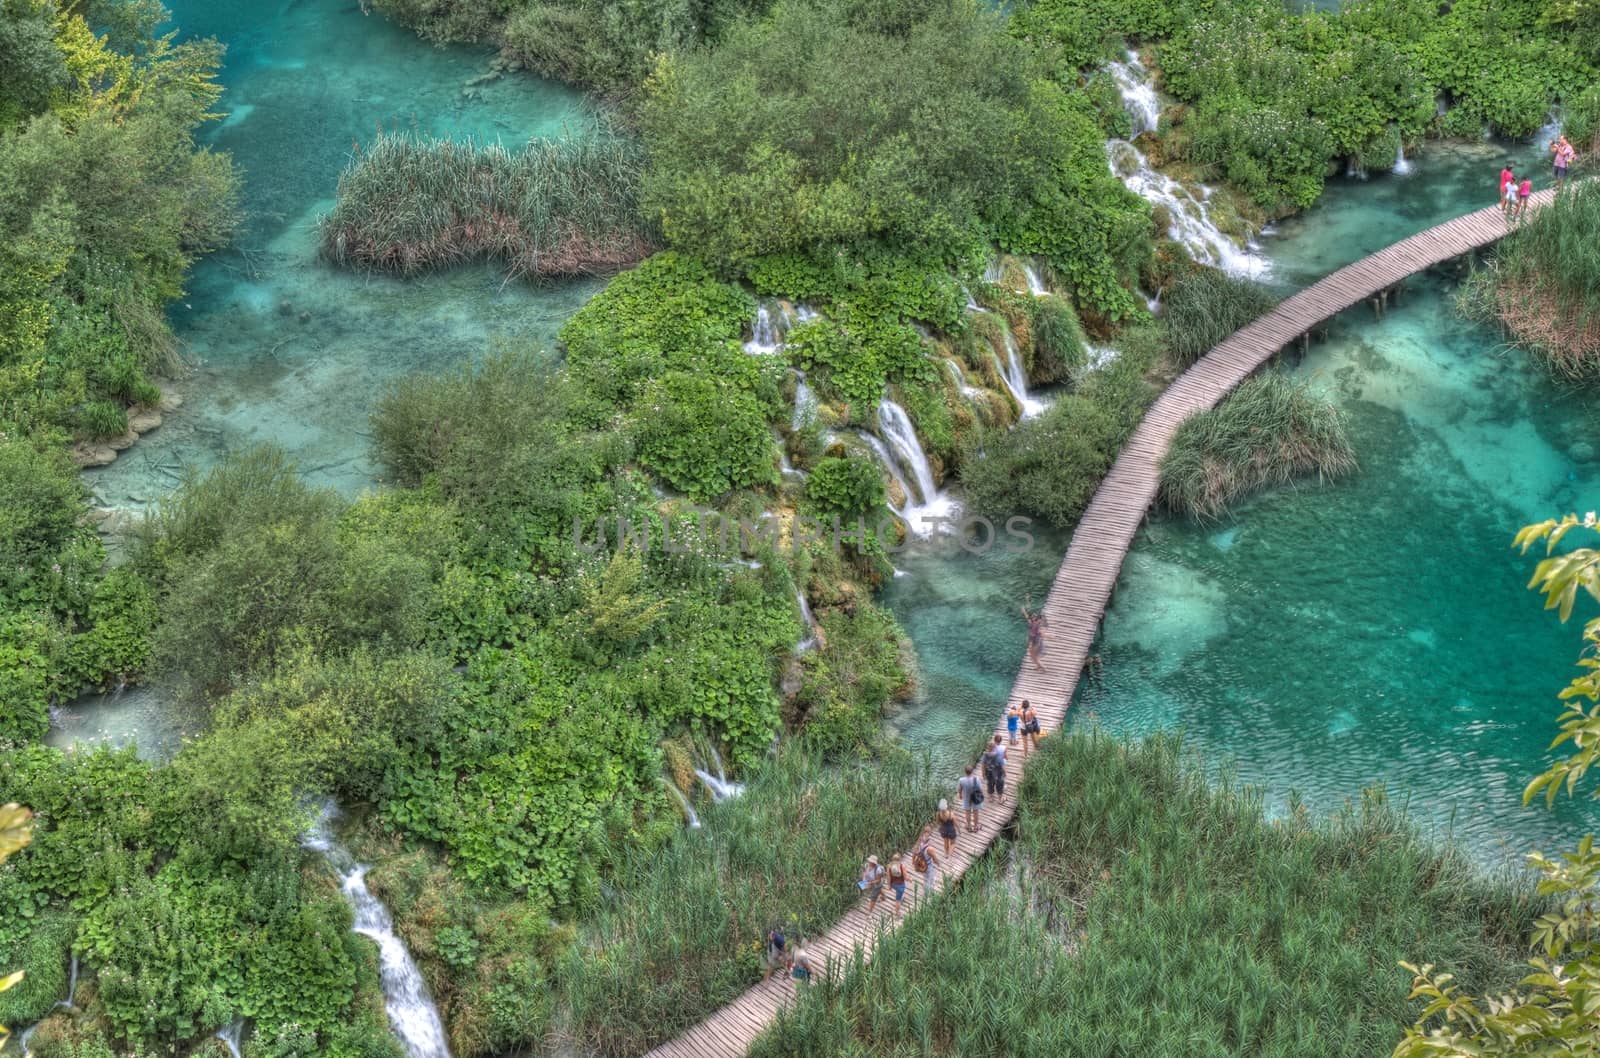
1082 586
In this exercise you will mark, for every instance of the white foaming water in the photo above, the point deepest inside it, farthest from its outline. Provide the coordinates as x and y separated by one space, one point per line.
25 1037
721 789
1401 166
230 1034
764 337
927 502
1016 379
1190 222
805 402
412 1015
810 641
1138 94
689 815
1036 285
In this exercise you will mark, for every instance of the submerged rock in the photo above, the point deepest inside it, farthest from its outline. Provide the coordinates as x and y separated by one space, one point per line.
93 455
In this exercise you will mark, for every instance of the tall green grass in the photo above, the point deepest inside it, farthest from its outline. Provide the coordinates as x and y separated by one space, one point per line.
1207 306
1544 284
1156 915
555 207
682 930
1268 432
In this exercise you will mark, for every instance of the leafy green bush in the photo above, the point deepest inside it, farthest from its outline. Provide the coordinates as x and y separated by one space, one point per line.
846 485
854 670
705 434
101 419
554 207
1267 432
41 501
1206 306
1060 349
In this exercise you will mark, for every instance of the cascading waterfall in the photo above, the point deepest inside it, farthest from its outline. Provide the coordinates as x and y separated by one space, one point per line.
1036 285
26 1035
721 789
230 1035
892 465
692 819
1016 379
1190 222
412 1015
764 337
805 402
1401 166
811 639
927 502
1138 94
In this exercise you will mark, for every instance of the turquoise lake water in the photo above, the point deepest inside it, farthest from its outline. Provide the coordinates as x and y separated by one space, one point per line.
290 350
1326 638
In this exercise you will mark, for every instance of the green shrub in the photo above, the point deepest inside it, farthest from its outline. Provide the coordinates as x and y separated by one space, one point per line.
1059 347
846 486
705 434
42 500
1207 306
1580 120
555 207
846 681
1268 432
102 419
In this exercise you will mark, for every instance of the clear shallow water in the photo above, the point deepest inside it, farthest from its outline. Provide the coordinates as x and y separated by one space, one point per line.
142 717
287 349
1328 638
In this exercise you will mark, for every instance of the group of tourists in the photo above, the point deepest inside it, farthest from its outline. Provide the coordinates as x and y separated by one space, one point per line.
1514 193
796 964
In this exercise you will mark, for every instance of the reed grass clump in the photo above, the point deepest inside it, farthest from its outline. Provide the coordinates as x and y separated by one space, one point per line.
1206 306
681 930
1544 285
1150 912
556 207
1269 432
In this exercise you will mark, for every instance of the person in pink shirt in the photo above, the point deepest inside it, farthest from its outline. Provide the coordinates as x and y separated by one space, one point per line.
1565 153
1524 192
1507 177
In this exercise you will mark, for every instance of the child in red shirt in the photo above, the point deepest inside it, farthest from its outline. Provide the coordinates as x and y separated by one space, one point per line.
1506 177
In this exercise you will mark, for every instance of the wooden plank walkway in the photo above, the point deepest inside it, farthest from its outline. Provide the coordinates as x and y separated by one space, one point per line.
1082 587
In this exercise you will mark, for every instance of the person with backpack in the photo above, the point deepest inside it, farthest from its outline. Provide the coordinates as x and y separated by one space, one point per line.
923 859
994 769
947 825
871 882
775 955
896 876
1030 726
969 789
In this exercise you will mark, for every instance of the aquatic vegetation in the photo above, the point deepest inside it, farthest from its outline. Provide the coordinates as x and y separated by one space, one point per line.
1268 432
682 931
1542 284
552 208
1148 911
1206 306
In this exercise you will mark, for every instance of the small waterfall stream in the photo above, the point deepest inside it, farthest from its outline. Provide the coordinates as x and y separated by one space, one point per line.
811 639
926 502
26 1035
805 402
231 1034
412 1015
1401 166
689 814
1016 378
1190 222
719 785
764 337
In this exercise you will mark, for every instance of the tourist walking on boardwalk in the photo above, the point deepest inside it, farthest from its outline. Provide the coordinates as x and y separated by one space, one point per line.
871 882
897 882
947 825
802 969
923 859
776 958
1030 726
969 788
1013 722
994 768
1524 192
1508 177
1036 626
1565 153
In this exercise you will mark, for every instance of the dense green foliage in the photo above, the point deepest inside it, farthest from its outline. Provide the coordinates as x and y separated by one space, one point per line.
1048 467
551 208
1267 432
1544 285
1154 914
1276 93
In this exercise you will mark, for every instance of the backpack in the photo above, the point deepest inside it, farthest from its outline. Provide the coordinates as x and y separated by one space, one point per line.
919 861
975 797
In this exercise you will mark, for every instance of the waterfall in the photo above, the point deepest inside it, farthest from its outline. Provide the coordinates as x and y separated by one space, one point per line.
229 1035
1401 166
688 809
721 789
763 335
810 641
1138 94
927 501
805 402
61 1004
1036 285
1016 379
893 467
412 1015
1190 221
